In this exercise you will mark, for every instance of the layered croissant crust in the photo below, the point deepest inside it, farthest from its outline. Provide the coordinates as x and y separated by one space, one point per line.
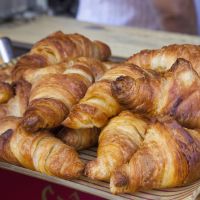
162 59
176 93
53 95
168 157
79 138
41 151
98 104
18 104
118 141
6 92
57 48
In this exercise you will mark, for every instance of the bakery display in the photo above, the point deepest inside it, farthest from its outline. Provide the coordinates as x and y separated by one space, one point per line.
65 96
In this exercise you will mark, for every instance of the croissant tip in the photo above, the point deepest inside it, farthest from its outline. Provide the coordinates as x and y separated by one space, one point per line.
121 83
119 179
31 123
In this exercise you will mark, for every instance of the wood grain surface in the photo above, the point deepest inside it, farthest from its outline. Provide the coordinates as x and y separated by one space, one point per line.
124 41
101 189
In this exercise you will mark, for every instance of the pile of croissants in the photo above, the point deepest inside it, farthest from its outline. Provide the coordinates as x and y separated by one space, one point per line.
144 113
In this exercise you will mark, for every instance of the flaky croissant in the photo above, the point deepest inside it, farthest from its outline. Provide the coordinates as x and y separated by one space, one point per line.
53 95
175 93
162 59
57 48
117 142
98 104
18 104
168 157
41 152
79 138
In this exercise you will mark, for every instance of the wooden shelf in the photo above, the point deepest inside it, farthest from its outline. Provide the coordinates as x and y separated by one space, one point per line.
101 189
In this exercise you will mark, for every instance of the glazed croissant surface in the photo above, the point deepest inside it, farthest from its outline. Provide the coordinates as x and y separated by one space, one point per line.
118 141
18 104
79 138
53 95
174 93
162 59
98 104
57 48
41 152
168 157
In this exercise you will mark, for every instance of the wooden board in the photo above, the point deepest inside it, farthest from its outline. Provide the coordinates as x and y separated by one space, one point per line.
124 41
100 188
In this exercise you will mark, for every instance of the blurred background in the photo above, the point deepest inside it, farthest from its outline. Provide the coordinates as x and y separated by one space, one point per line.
169 15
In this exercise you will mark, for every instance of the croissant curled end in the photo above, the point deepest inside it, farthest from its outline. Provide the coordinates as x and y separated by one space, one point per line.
104 49
44 113
31 123
94 170
120 87
119 182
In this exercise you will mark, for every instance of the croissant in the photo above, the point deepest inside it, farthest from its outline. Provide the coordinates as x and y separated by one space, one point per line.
175 93
41 151
79 138
53 95
6 92
168 157
162 59
57 48
17 105
117 142
98 104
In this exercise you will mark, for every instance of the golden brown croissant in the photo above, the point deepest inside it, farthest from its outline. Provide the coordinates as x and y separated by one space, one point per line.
162 59
168 157
175 93
53 95
6 92
57 48
117 142
79 138
41 151
17 105
98 104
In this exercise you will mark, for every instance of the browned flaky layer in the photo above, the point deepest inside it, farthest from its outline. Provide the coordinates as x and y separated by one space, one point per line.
168 157
119 139
162 59
41 152
59 47
6 92
79 138
175 93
